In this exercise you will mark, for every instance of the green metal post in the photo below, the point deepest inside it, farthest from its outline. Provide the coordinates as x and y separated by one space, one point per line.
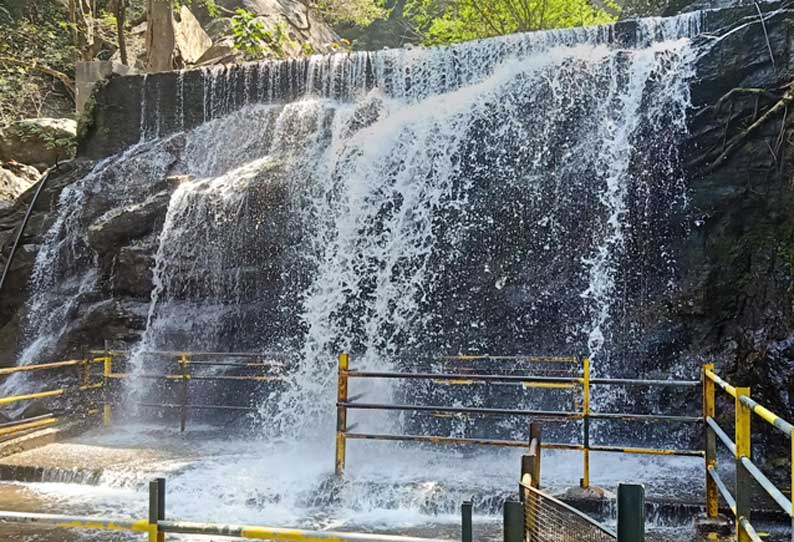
156 509
631 513
466 522
513 522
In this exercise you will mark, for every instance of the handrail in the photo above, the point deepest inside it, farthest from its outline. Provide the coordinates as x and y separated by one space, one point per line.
191 527
768 416
42 366
711 375
723 436
466 376
746 470
48 393
542 359
580 379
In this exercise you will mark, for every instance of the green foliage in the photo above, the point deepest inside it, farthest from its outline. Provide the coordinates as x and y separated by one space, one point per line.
66 146
209 5
256 39
352 12
39 37
450 21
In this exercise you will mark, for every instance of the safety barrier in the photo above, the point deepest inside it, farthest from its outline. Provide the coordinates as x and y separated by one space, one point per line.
83 386
581 382
88 381
740 447
156 526
247 361
540 517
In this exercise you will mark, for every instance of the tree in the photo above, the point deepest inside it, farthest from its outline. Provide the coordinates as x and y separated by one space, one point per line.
160 39
450 21
119 8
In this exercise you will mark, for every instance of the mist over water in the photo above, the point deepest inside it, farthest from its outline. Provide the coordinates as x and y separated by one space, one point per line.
517 195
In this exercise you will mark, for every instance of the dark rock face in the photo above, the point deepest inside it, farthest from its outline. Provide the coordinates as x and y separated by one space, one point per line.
734 244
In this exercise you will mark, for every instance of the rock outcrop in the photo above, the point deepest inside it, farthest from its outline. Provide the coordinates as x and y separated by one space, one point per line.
40 142
15 178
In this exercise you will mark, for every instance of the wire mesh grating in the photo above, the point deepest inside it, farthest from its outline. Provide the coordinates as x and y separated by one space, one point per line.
547 519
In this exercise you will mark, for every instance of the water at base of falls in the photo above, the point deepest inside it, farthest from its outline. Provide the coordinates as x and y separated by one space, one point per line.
515 195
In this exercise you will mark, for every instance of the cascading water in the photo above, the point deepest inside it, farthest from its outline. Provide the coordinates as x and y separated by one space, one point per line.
514 195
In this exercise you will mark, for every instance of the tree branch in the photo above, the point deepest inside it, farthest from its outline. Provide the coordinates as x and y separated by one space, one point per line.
718 157
35 66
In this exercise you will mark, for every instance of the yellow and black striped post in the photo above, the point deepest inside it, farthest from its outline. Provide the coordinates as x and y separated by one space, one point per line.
709 411
585 481
341 413
107 371
744 480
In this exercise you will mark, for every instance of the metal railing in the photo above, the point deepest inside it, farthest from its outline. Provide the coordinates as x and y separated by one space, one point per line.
582 382
156 526
540 517
184 361
83 386
740 447
95 389
545 518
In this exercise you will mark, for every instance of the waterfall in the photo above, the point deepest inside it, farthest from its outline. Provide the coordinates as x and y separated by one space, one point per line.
511 195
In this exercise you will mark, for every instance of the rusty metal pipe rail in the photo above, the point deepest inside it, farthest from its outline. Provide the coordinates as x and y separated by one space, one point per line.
193 407
644 417
259 355
642 382
465 376
461 440
463 410
539 359
256 378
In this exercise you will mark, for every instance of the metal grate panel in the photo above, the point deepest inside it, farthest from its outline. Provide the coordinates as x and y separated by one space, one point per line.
547 519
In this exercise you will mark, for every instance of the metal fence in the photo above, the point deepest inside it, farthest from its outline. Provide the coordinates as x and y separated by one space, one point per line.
156 526
87 387
547 519
740 447
577 379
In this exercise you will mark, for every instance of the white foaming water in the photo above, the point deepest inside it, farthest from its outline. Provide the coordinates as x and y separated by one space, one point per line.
362 217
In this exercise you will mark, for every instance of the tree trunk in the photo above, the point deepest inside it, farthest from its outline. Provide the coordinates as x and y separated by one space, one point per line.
160 39
120 8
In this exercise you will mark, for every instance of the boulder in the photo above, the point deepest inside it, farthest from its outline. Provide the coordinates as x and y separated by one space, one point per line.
221 52
40 142
119 226
191 39
15 178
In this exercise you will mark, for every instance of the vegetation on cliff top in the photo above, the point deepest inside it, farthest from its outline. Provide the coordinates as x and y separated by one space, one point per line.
43 38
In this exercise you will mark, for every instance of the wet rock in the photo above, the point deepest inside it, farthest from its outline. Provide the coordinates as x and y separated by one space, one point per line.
132 272
121 225
39 142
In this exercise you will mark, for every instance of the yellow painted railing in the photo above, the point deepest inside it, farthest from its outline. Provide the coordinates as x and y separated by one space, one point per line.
579 381
86 385
156 526
740 447
90 381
